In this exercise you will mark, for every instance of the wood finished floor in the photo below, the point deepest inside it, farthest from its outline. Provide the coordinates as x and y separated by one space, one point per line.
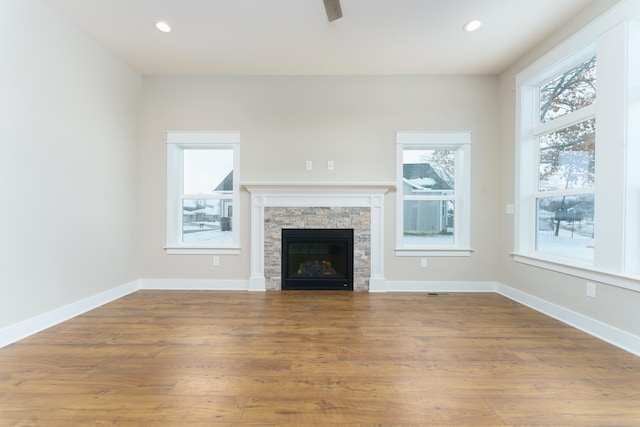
198 358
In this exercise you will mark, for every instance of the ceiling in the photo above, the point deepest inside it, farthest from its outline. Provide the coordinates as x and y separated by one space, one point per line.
294 37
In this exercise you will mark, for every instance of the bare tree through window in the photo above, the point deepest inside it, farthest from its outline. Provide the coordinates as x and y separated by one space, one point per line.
566 163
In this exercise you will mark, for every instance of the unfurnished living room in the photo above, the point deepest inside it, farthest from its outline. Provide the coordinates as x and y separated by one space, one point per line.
320 212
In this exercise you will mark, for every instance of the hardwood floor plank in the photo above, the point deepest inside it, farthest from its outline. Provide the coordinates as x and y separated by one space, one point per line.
43 408
311 411
173 358
582 412
499 388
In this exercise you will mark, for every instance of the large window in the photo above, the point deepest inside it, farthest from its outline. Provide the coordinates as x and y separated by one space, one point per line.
577 200
202 208
565 139
433 193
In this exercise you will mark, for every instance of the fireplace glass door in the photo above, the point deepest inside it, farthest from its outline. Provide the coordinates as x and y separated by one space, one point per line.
317 259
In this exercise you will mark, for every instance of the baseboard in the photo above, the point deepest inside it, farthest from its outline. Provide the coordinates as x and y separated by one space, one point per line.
194 284
31 326
436 286
607 333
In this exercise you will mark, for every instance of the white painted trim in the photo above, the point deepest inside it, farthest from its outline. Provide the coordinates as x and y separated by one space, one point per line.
600 330
581 271
177 142
316 194
462 214
377 285
257 284
433 252
322 187
433 138
189 137
194 250
569 119
194 284
437 286
25 328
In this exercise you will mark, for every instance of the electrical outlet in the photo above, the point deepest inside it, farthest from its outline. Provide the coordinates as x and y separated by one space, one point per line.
330 165
308 165
423 262
508 209
216 260
591 290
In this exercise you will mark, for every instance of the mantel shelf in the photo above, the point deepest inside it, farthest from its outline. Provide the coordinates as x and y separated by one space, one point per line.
338 187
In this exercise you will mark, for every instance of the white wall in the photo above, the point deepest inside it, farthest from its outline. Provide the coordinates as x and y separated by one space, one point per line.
73 182
614 306
284 121
68 165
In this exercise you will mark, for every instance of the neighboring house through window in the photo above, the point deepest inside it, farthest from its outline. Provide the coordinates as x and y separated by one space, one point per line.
433 198
202 199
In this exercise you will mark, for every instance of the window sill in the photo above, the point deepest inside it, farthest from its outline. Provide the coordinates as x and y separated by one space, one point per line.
578 270
195 250
439 252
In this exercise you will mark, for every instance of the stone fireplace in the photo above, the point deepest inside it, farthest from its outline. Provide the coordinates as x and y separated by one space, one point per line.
275 207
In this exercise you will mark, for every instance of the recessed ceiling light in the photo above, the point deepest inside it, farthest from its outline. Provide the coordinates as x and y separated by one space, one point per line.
163 26
472 25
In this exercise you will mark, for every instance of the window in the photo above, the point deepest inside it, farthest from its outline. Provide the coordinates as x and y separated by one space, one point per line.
565 140
577 185
202 199
433 193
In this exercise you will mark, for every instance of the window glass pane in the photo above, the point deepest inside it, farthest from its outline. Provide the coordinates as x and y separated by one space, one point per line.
567 158
428 222
208 171
207 221
565 226
428 172
570 91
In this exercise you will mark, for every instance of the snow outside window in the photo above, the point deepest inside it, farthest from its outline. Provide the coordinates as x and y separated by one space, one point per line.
433 197
565 141
202 208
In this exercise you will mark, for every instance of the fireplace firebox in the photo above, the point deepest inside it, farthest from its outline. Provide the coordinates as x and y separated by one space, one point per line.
317 259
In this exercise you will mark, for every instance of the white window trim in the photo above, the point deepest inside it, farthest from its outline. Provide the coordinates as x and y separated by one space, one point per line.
462 140
176 143
606 31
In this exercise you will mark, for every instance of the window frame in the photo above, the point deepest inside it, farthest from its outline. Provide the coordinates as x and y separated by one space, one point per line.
541 128
177 143
617 181
461 142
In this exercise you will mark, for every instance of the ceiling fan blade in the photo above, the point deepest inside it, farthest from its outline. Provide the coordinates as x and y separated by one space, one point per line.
334 11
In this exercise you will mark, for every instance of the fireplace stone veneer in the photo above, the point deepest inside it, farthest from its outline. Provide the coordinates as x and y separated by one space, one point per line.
278 206
277 218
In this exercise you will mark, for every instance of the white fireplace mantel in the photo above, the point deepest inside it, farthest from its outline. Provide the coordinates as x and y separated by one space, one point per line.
334 194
